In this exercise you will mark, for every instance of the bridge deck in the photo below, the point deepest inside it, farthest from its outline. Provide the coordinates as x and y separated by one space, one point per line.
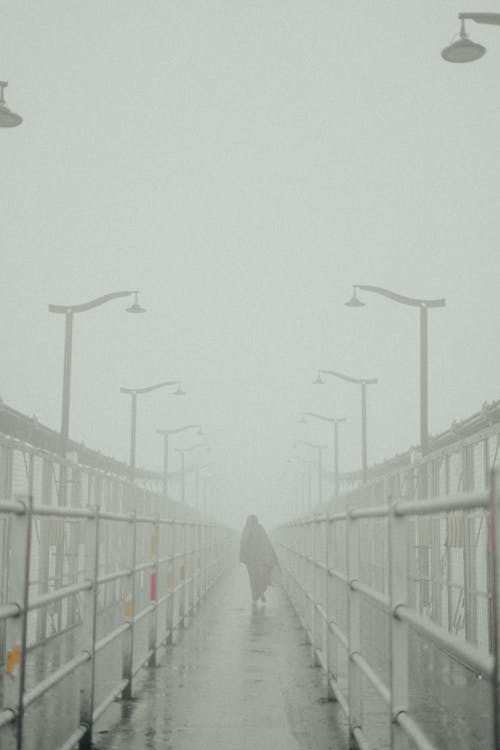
236 679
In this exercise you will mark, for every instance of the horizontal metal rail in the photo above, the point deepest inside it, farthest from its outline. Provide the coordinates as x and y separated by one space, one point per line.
481 663
376 597
204 547
443 505
32 695
110 637
312 583
56 596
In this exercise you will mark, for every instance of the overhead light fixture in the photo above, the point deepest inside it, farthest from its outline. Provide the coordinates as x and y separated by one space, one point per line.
354 301
179 391
464 50
319 380
136 307
8 119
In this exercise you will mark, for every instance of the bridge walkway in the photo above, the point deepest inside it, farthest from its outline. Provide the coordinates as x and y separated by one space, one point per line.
237 679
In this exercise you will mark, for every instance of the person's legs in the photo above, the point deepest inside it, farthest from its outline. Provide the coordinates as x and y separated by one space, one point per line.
252 577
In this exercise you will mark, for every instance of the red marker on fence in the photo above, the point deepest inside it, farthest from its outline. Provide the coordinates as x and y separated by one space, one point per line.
153 587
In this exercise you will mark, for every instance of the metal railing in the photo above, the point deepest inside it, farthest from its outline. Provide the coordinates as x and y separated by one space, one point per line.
350 577
117 569
186 558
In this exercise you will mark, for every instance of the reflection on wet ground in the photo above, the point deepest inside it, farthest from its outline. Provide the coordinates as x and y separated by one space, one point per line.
243 678
237 678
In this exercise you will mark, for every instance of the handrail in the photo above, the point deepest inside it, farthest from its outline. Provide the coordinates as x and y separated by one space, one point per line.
319 558
195 553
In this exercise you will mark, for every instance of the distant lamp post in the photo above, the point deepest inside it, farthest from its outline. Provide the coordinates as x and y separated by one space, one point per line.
464 50
166 434
423 305
310 464
182 452
363 382
8 119
69 311
320 448
133 393
335 421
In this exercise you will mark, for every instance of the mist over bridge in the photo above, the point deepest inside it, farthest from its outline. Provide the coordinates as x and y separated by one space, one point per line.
124 619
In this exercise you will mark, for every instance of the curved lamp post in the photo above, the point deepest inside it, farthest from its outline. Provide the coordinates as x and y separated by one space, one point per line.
8 119
166 434
363 382
319 447
423 305
134 392
182 451
69 311
335 421
310 464
464 49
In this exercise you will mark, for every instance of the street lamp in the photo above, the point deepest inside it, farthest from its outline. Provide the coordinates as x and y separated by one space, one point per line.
182 451
423 305
134 392
310 464
8 119
319 447
363 382
69 311
464 49
166 434
335 421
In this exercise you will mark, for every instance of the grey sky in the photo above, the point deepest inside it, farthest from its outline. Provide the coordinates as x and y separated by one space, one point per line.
242 164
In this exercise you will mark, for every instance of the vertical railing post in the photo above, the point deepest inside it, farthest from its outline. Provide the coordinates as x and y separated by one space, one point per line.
185 590
353 629
155 582
312 592
495 550
16 635
328 607
128 636
203 556
398 633
89 629
305 570
172 609
195 566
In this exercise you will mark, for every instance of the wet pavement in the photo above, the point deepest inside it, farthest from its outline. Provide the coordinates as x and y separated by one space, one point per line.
238 678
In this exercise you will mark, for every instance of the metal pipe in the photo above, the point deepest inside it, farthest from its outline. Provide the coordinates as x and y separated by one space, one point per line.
424 381
364 438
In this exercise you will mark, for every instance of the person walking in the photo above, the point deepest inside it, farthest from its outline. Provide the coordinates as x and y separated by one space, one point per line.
257 553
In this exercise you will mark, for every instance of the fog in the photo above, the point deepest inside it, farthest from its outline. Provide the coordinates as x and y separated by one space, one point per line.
243 165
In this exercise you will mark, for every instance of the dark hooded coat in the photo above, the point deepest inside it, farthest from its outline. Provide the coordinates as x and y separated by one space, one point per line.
256 548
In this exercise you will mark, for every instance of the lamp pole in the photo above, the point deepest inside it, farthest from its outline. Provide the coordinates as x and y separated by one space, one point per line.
335 421
183 451
319 447
309 480
423 305
69 311
166 434
363 382
133 393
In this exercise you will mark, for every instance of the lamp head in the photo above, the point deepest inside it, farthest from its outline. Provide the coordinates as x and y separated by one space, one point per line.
319 380
136 308
179 391
302 419
200 431
354 301
8 119
463 50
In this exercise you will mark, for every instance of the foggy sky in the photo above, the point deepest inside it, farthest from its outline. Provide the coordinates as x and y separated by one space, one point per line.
243 164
